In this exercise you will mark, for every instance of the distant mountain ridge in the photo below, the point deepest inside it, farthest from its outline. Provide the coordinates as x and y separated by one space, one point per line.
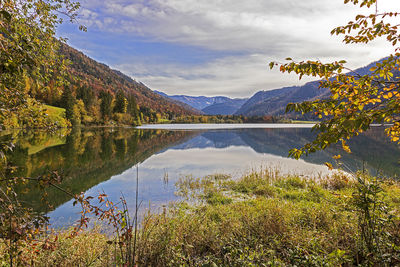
228 107
274 102
215 105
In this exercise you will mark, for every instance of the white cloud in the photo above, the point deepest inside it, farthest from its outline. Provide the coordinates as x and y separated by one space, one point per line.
261 30
240 76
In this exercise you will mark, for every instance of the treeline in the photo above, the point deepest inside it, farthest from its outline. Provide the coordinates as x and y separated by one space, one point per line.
83 106
224 119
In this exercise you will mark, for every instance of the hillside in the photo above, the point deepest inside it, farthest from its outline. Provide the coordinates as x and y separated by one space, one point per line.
274 102
99 77
215 105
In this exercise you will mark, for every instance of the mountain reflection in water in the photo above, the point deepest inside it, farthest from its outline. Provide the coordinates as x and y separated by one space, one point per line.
93 160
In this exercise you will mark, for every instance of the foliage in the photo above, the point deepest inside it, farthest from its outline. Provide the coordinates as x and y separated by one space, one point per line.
35 68
263 218
374 221
356 100
133 108
68 102
271 219
121 103
124 119
106 104
86 94
29 53
29 60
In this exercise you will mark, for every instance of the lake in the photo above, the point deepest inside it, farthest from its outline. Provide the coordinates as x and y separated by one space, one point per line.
96 160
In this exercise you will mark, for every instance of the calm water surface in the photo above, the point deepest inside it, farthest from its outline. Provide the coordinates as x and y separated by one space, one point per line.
106 159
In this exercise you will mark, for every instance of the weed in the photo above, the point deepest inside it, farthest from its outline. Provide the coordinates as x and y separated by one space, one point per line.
257 220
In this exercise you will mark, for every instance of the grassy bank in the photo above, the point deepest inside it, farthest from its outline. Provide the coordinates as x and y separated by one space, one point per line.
262 219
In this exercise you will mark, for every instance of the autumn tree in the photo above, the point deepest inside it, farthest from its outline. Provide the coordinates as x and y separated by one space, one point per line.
356 100
28 52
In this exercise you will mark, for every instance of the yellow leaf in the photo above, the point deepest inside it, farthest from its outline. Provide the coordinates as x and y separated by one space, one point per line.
330 167
337 157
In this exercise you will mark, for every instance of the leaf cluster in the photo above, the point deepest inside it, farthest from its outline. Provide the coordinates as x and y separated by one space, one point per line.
28 50
356 100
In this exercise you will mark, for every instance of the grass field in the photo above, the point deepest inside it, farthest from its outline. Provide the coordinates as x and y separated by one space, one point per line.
54 111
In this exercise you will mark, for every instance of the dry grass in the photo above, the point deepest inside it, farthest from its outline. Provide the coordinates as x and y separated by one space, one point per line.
263 218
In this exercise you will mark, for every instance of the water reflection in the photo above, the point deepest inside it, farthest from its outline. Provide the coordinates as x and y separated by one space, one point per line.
93 160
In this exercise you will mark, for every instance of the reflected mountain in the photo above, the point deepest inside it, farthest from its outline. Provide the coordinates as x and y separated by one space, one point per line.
371 151
87 157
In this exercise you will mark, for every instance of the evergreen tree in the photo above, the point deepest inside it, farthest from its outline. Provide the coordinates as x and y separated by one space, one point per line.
120 102
106 104
86 94
68 101
132 107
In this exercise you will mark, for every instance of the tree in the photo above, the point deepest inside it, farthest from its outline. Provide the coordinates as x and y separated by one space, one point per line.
106 104
121 103
86 94
132 107
28 51
68 101
356 100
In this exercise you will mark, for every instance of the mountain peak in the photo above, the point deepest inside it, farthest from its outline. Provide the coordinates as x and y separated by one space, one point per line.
214 105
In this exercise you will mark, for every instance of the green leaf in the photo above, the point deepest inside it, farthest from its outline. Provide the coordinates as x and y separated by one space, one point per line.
271 65
5 15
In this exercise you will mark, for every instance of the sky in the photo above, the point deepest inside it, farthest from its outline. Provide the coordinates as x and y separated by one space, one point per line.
218 47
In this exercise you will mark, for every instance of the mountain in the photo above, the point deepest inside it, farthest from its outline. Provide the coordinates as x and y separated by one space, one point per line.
216 105
99 77
228 107
274 102
180 103
198 102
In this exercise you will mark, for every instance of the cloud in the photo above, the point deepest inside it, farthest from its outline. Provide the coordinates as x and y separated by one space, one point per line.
244 35
240 76
254 25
